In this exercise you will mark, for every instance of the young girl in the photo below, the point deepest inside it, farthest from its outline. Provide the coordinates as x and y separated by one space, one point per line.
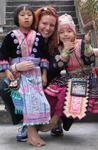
74 60
22 55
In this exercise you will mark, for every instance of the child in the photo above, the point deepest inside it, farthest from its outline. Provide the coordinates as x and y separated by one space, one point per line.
22 54
74 59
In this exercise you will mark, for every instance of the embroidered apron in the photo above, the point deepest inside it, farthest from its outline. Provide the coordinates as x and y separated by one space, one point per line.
76 99
36 109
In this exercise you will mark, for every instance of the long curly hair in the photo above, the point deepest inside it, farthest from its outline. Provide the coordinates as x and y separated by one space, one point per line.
48 10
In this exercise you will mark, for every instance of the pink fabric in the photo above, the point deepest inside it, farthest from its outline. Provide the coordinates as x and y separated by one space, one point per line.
52 90
66 20
25 42
73 62
57 102
93 106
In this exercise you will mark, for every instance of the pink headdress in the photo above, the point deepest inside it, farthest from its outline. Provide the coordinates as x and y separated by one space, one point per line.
66 20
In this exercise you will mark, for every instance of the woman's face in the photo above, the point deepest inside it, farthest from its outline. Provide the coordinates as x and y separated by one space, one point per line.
47 25
25 19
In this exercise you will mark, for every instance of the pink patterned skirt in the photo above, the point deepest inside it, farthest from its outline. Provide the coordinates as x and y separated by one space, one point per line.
57 90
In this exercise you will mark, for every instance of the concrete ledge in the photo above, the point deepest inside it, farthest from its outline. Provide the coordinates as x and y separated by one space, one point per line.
4 116
89 118
2 107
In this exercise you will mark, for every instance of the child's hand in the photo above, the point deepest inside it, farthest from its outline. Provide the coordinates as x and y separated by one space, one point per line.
25 66
9 75
68 45
88 50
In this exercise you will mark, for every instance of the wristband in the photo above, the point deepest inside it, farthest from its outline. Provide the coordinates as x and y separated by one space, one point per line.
88 50
65 54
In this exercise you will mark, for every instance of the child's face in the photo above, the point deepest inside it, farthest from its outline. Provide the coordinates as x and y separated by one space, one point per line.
66 34
25 19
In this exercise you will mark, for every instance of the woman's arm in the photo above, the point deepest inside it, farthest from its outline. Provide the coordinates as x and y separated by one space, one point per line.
44 77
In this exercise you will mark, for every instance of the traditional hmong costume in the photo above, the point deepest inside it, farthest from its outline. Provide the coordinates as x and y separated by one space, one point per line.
29 97
69 93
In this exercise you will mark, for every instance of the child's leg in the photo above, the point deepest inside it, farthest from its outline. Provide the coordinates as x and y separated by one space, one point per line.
33 137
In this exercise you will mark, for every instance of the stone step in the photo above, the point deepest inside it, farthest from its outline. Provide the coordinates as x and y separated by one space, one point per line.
1 39
72 13
59 8
42 2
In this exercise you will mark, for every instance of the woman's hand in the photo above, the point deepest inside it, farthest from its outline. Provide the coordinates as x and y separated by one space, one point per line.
25 66
9 75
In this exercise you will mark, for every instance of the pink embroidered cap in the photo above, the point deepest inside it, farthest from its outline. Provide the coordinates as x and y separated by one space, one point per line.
66 19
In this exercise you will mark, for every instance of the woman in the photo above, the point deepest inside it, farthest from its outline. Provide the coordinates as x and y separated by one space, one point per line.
45 25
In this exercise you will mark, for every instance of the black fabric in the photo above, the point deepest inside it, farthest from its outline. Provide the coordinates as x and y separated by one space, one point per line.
54 68
53 71
10 47
67 122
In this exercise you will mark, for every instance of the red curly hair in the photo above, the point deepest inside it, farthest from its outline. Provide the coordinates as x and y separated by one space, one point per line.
48 10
